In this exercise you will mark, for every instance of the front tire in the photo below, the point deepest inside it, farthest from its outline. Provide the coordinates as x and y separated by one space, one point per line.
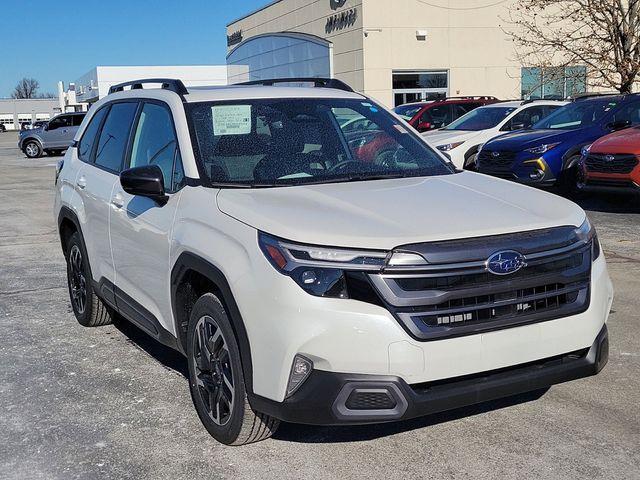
216 379
568 181
88 308
32 149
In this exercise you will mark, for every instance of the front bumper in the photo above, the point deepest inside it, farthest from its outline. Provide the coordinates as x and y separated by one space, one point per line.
328 398
610 184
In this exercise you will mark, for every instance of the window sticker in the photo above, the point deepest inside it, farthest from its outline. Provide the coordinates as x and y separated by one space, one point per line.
231 119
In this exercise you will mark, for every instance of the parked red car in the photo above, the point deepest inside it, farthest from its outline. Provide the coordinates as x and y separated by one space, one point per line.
434 114
611 163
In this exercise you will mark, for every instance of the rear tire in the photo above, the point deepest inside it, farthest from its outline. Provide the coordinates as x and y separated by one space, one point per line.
89 309
32 149
216 378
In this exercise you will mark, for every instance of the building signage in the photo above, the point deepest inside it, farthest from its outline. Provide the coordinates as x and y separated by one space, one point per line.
336 4
234 38
342 20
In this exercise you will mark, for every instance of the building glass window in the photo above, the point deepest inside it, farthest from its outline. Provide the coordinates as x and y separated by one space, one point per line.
279 56
419 86
555 82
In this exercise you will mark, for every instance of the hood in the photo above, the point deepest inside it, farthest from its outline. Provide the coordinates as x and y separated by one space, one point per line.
383 214
522 139
442 137
623 141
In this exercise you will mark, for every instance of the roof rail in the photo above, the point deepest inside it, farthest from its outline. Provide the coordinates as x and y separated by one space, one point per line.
584 96
531 100
317 82
172 84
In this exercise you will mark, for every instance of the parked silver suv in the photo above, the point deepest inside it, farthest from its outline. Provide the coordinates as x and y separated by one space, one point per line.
52 138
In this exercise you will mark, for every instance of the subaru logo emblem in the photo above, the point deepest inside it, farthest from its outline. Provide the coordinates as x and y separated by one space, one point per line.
505 262
495 154
609 158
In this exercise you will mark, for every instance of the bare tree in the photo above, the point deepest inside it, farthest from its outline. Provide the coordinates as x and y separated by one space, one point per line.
603 35
26 88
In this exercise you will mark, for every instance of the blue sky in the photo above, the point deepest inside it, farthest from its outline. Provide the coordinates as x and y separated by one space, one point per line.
53 40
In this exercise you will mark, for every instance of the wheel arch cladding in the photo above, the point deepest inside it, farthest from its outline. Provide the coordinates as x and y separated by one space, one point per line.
67 225
193 276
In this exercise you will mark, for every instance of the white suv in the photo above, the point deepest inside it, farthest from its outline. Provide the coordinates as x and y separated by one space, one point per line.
462 139
309 280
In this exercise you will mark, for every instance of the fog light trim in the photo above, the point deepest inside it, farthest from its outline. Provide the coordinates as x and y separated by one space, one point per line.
301 368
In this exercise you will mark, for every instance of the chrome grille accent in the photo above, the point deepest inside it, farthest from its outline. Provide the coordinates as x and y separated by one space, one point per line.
461 298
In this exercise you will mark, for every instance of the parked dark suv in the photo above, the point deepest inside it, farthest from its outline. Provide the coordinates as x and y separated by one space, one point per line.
53 137
424 116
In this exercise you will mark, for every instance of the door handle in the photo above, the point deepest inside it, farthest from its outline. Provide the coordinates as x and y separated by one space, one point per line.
81 183
117 201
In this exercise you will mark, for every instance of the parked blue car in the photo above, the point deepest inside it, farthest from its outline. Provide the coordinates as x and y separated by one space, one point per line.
548 153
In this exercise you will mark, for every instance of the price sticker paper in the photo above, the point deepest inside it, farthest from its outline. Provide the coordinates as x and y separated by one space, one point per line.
231 119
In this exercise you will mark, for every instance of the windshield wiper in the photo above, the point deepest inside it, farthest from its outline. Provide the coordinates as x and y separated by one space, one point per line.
357 178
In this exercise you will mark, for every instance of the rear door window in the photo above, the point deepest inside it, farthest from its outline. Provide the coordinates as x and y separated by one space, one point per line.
88 139
114 136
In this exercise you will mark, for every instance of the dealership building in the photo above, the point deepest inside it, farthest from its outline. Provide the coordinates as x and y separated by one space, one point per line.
395 51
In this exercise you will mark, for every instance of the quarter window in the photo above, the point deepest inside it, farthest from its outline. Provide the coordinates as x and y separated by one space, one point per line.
89 136
114 136
155 143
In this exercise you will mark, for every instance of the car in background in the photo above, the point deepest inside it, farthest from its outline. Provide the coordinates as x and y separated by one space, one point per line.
548 154
611 163
425 116
461 139
53 138
2 128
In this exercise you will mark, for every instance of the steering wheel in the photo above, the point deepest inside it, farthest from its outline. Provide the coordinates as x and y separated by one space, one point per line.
341 166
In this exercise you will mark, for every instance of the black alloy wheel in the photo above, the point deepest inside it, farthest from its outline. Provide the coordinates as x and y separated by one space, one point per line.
77 280
213 373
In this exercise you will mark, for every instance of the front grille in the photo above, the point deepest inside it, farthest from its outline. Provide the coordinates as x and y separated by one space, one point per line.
496 163
461 298
623 163
520 302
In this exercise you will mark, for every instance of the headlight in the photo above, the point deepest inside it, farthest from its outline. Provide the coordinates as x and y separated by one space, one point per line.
319 271
449 146
585 150
587 233
542 148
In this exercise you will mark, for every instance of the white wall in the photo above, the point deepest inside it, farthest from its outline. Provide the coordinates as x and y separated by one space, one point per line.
103 77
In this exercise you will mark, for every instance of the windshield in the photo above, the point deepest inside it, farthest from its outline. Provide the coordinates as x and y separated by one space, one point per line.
407 112
577 115
300 141
480 119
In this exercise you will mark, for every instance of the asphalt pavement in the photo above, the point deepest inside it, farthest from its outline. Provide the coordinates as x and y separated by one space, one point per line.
80 403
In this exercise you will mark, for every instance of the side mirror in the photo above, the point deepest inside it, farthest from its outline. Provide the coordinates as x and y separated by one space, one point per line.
619 125
146 181
518 126
424 126
45 127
